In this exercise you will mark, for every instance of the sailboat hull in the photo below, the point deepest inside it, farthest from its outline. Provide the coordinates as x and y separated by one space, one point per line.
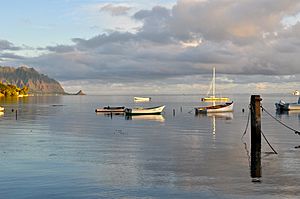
227 107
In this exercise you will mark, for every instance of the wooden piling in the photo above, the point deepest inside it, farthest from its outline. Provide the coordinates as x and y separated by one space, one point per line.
173 112
16 114
255 136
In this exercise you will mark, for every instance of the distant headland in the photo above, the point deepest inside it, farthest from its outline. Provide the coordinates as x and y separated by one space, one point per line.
29 79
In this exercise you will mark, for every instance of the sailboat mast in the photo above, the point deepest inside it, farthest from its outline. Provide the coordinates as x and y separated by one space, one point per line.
214 83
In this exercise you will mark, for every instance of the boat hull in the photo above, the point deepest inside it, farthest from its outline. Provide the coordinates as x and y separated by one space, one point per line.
144 111
287 106
228 107
109 109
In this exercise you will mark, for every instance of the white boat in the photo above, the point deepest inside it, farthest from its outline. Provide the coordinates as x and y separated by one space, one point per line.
144 111
281 105
1 109
111 109
142 99
213 97
227 107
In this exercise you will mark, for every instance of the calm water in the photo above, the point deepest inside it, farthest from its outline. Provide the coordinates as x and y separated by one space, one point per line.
60 148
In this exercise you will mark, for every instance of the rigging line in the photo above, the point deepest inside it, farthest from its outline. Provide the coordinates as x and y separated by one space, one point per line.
268 142
292 129
210 87
248 119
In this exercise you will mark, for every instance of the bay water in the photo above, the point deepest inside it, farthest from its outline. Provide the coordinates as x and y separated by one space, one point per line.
58 147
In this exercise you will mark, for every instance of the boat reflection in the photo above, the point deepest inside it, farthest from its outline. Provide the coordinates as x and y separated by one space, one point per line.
157 118
217 116
290 113
111 114
223 115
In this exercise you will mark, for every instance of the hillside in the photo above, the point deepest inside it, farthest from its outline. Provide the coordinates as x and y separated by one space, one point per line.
29 77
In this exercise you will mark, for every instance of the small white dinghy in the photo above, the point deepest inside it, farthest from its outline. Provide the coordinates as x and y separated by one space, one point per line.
142 99
144 111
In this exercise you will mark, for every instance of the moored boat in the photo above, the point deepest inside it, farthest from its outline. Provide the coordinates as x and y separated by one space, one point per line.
111 109
281 105
144 111
142 99
227 107
1 108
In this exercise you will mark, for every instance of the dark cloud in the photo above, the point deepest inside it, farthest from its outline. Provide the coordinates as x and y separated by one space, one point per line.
59 48
5 56
6 45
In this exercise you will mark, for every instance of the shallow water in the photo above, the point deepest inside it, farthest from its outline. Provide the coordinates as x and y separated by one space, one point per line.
58 147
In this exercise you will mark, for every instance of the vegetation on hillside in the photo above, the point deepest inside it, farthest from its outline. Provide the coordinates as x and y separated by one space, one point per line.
12 90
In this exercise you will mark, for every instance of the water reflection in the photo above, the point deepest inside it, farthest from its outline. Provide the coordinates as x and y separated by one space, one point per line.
157 118
290 113
217 116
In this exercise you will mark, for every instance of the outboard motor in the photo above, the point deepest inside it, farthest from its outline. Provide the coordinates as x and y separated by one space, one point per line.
281 102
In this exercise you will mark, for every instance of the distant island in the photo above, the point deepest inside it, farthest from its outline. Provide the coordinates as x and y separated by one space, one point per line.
29 80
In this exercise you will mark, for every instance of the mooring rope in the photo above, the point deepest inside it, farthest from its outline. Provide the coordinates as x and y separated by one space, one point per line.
248 119
246 129
292 129
268 142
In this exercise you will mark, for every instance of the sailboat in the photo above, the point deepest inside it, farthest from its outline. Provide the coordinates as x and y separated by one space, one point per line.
213 86
215 108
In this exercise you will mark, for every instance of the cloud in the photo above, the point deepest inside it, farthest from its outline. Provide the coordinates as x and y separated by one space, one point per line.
246 41
5 56
115 10
6 45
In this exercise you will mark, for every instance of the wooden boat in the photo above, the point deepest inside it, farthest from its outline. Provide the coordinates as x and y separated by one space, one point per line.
144 111
213 88
111 109
227 107
281 105
142 99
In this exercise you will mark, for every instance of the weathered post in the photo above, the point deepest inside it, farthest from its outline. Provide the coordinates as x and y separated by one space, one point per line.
255 137
173 112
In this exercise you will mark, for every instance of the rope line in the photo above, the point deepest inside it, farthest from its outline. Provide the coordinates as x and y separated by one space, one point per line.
247 125
268 142
292 129
246 129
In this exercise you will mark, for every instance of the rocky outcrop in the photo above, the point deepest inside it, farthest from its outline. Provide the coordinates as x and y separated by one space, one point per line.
36 82
80 93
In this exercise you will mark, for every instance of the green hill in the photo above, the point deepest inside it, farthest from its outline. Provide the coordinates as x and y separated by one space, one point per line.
29 77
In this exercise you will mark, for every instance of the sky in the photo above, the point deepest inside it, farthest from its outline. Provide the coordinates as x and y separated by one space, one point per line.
157 46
